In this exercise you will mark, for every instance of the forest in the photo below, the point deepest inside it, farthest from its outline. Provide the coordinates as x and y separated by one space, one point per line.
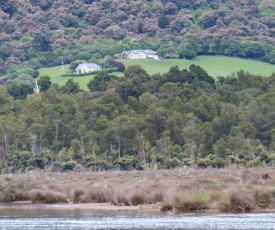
139 121
39 33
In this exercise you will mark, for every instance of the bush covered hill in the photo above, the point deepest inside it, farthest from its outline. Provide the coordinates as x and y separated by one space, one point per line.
139 121
36 33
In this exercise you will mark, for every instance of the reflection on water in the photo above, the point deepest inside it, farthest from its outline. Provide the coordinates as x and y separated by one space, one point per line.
52 217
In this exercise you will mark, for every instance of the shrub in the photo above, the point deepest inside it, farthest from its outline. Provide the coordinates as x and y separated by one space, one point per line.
126 162
120 66
254 163
202 163
36 163
68 166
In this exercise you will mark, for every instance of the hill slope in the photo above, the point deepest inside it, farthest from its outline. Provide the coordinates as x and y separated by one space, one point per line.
43 32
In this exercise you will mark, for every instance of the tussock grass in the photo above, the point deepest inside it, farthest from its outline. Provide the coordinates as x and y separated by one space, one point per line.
224 190
10 194
47 197
189 202
237 201
95 195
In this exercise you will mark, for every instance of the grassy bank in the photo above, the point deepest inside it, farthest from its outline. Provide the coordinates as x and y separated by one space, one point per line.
178 190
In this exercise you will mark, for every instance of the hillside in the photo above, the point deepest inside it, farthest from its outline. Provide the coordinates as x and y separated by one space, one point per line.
41 33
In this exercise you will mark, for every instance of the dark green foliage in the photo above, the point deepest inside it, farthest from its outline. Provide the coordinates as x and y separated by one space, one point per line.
95 29
120 66
180 118
68 166
36 163
126 163
163 21
44 83
101 81
19 91
71 86
109 70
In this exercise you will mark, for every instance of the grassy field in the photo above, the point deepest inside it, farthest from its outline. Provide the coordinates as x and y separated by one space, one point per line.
214 65
56 76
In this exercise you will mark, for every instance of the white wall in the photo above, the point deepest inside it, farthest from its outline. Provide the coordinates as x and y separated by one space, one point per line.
140 55
154 56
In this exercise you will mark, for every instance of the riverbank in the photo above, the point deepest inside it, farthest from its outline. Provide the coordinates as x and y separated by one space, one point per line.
177 190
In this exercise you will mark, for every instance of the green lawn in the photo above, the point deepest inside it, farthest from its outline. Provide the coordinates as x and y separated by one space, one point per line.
214 65
56 76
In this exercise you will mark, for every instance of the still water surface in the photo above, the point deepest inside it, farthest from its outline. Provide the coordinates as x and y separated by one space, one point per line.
51 217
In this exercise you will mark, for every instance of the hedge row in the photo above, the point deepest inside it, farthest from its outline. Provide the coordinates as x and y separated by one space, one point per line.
109 70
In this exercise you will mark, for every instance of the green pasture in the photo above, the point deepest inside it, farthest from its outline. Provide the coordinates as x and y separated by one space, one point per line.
56 76
214 65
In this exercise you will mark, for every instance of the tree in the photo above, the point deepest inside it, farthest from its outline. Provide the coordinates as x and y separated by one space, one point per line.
100 81
71 86
44 83
6 51
163 21
20 91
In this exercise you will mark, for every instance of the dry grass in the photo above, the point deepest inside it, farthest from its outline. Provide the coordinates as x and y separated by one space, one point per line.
47 197
183 190
95 195
189 202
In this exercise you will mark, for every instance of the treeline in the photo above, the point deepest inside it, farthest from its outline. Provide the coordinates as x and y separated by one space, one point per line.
138 121
40 33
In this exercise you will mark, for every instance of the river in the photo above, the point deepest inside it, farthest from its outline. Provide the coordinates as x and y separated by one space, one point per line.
51 217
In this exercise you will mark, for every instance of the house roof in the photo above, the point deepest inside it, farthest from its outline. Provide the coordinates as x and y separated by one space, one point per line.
126 52
150 52
138 51
89 65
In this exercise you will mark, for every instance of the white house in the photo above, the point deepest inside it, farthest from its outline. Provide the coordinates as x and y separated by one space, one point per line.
87 67
140 54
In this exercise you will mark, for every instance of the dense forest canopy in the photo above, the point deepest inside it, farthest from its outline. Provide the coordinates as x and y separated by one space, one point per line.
182 117
46 32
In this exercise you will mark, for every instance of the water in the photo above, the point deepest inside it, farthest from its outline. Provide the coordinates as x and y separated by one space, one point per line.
51 217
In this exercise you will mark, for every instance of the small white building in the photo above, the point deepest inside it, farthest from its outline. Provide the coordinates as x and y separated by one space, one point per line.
87 67
140 54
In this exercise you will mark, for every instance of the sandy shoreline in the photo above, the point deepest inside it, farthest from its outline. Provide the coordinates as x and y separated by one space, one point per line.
91 206
110 207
